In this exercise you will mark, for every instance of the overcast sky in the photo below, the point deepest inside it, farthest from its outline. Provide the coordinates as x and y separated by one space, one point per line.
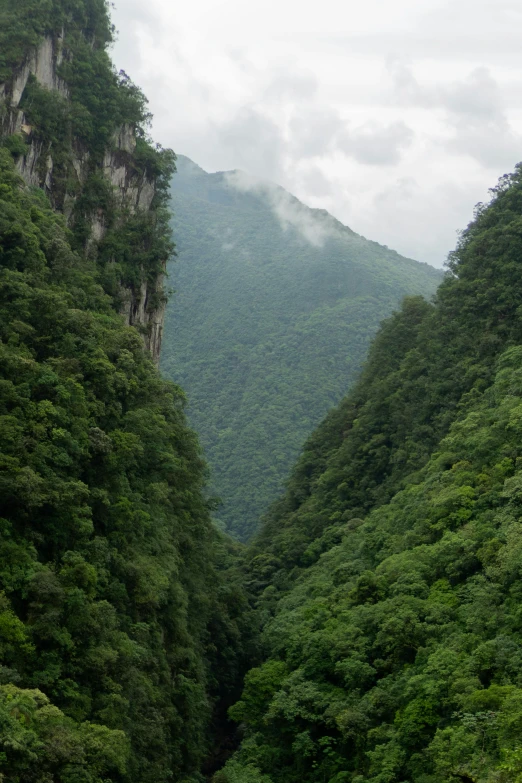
395 116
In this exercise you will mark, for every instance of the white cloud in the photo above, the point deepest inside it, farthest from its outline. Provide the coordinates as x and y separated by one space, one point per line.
376 145
288 210
475 114
396 117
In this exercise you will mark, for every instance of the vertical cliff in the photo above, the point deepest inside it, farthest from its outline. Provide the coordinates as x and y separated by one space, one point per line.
124 642
77 129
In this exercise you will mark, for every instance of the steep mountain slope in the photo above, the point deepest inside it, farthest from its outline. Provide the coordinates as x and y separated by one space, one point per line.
274 309
389 575
77 130
120 641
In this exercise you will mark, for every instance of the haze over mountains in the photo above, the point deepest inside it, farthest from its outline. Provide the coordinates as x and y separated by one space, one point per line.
371 632
274 309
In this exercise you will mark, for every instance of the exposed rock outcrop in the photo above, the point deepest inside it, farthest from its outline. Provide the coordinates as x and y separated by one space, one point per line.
133 190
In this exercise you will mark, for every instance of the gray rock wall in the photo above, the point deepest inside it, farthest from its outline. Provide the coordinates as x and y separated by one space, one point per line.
133 191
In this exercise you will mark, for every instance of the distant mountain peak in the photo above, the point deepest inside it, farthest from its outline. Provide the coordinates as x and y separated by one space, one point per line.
276 305
313 224
187 165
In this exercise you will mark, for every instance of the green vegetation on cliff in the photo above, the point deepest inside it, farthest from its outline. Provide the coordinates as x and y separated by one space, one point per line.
274 310
74 139
123 630
111 606
22 26
389 576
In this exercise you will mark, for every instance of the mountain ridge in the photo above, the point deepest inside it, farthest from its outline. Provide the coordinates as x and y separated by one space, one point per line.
275 306
184 162
388 576
372 630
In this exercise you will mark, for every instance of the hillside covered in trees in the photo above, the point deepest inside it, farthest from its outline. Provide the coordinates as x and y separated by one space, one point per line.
388 578
372 630
120 639
274 309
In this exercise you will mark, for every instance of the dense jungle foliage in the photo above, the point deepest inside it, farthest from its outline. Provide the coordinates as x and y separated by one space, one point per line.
111 604
115 623
123 629
387 579
389 576
267 330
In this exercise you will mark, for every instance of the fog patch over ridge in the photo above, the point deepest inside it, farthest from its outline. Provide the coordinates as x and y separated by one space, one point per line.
287 209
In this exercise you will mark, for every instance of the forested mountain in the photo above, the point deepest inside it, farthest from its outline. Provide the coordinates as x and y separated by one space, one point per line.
274 310
120 639
389 576
387 580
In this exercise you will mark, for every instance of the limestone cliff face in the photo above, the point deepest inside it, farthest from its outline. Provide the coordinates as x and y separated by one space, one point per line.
133 191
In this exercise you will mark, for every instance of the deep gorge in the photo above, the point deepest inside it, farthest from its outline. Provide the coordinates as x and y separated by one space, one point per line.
371 631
